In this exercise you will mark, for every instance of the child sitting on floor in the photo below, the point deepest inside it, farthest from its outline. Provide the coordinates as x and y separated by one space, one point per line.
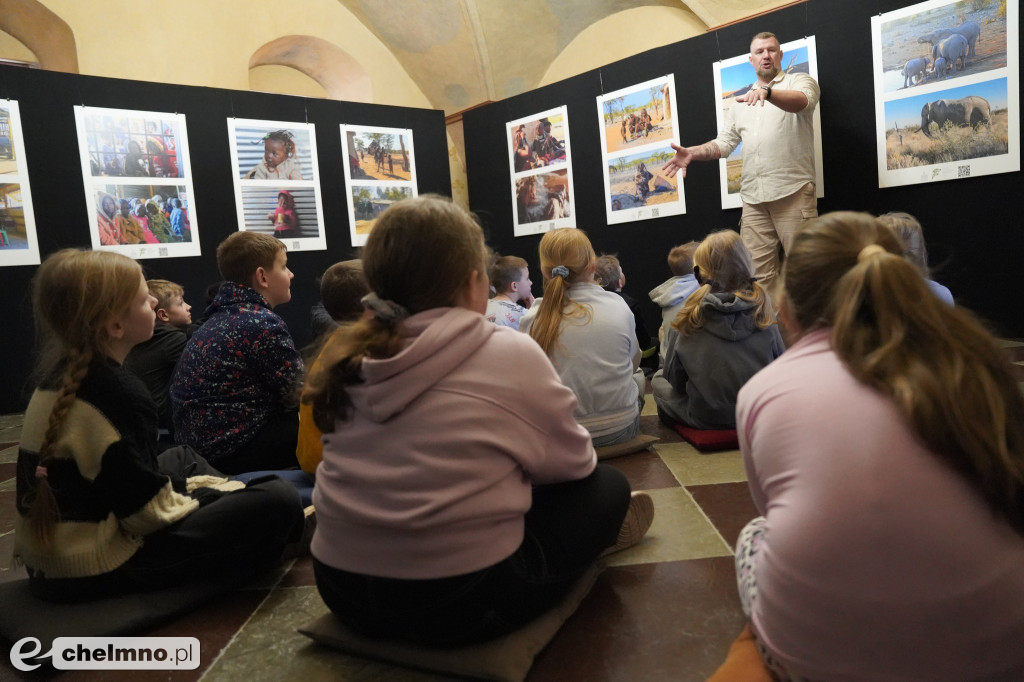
510 279
590 336
724 334
611 277
99 511
154 360
885 451
433 524
342 288
908 230
672 293
234 392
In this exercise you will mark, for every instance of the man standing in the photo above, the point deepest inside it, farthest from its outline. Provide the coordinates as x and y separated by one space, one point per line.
777 187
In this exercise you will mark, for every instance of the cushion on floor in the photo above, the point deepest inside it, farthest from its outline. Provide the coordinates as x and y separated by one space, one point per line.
23 615
507 658
635 444
743 662
709 440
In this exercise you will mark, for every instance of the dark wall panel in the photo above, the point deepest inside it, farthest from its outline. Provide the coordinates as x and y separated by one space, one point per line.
974 240
47 101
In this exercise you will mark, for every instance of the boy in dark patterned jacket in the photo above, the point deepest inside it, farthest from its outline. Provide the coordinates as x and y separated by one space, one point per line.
234 390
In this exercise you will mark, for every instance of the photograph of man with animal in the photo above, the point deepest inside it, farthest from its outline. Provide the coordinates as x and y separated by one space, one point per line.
735 78
379 155
638 115
633 183
942 39
957 124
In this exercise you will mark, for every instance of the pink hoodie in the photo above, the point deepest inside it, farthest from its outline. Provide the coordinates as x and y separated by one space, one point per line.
432 476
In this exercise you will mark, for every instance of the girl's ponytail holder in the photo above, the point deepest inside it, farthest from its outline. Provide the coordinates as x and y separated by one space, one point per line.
387 311
560 271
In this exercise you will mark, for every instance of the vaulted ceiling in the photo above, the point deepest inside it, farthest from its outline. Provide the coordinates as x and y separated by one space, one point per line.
463 52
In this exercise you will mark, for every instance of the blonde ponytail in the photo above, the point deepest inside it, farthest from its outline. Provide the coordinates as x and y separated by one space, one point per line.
566 257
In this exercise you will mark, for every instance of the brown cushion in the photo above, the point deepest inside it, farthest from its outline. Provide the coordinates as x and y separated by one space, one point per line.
506 658
635 444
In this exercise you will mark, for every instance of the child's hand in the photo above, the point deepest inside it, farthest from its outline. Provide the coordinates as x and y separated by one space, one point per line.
527 300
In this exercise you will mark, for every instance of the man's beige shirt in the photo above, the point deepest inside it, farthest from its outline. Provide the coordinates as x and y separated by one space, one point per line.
778 147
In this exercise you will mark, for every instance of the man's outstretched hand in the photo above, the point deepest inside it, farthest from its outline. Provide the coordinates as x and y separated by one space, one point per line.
679 162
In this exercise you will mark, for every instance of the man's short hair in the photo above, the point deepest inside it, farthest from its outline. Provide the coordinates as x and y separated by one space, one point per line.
506 269
680 259
608 272
163 291
763 35
342 288
242 253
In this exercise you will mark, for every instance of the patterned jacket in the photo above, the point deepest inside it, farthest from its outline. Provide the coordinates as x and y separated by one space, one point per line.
236 371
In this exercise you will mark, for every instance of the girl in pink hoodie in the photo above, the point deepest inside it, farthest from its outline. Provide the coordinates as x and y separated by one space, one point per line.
457 498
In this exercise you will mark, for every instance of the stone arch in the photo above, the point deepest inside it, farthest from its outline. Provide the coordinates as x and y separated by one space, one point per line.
340 75
48 36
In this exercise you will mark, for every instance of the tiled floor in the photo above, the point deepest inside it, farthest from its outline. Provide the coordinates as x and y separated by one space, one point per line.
664 610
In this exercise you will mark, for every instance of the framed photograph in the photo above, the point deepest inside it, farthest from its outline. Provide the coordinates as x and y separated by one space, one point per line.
946 79
637 125
137 170
735 77
277 181
541 170
381 170
18 242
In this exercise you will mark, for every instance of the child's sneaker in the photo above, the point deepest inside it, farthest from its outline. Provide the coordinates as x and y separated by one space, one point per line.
638 520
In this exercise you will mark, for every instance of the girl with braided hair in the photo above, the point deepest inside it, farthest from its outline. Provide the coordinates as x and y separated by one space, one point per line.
457 499
590 336
100 511
885 450
279 162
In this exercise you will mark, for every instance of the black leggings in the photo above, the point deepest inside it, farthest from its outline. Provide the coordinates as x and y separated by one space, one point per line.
236 535
567 527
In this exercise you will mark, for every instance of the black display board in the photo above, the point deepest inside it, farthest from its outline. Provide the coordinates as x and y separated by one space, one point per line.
47 100
972 226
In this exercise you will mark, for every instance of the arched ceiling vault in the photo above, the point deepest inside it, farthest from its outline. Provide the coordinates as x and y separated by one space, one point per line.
463 52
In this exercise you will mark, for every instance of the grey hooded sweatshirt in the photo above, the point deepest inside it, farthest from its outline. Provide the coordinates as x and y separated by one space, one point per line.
705 370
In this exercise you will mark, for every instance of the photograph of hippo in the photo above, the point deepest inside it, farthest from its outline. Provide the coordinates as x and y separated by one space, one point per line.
966 122
935 41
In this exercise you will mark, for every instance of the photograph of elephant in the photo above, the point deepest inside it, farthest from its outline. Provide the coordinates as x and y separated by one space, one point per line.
958 124
939 40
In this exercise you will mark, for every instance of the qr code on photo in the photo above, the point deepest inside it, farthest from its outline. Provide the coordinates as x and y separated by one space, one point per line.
963 171
654 213
162 251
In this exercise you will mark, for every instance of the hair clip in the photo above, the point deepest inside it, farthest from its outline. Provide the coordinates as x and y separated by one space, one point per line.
560 271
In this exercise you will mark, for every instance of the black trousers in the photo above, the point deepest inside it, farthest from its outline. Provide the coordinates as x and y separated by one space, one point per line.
236 535
567 528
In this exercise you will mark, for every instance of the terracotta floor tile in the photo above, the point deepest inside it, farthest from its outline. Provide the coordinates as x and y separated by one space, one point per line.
645 470
728 505
665 621
652 426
